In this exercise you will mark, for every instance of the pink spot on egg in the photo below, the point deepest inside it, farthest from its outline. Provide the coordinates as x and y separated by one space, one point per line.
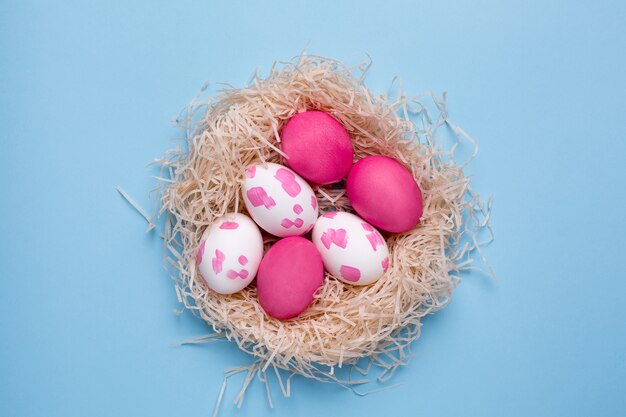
258 197
330 214
232 274
218 261
350 273
251 171
287 223
229 225
367 227
375 239
243 260
336 236
200 252
313 202
385 263
288 181
297 209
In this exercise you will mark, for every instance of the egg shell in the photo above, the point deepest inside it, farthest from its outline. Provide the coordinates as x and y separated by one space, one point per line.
279 200
289 275
384 193
352 250
230 252
317 147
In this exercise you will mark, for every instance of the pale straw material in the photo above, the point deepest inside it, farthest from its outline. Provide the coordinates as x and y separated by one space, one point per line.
241 127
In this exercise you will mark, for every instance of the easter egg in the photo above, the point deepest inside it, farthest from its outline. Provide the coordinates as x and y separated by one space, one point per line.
278 200
289 275
384 193
317 147
230 252
352 250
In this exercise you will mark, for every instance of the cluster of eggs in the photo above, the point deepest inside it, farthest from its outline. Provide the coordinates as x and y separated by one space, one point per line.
279 199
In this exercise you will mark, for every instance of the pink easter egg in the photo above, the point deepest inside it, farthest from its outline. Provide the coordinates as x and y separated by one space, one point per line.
384 193
289 275
229 253
352 250
279 200
317 147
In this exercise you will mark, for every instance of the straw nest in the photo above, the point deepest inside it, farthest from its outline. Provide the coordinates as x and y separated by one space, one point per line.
240 127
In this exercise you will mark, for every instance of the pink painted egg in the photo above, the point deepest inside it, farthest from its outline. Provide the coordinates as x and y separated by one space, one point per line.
289 275
317 147
352 250
279 200
230 252
384 193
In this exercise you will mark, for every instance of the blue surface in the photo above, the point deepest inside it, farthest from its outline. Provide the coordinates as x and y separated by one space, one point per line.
87 92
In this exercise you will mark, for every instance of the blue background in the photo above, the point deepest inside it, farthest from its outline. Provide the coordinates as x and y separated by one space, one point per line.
87 93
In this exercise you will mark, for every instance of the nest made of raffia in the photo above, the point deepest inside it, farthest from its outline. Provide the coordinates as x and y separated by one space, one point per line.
240 127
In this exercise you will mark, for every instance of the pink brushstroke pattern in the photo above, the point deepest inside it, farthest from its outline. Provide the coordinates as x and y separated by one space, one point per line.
200 252
330 214
243 260
350 273
297 209
367 227
385 263
313 202
251 171
375 239
287 223
288 181
232 274
337 236
229 225
218 261
258 197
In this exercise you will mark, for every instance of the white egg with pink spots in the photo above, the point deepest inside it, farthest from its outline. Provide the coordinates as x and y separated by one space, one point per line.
279 200
230 252
353 251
